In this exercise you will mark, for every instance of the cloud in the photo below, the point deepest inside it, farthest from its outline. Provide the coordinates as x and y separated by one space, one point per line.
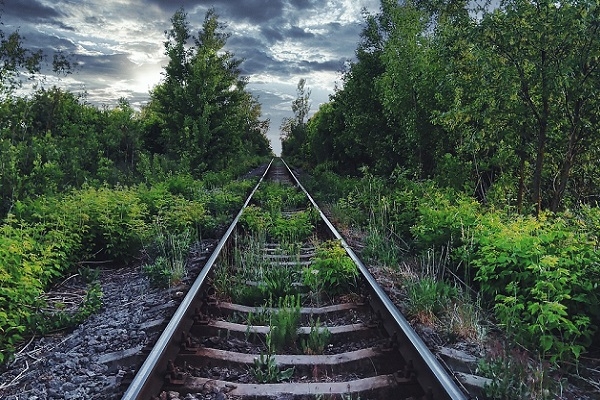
29 11
119 43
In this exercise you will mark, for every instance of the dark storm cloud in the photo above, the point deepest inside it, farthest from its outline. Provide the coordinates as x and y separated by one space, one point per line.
257 62
248 42
298 33
22 12
118 44
28 10
304 4
169 6
115 65
48 43
254 11
272 34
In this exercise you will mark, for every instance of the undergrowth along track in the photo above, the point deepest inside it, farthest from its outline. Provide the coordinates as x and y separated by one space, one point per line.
284 308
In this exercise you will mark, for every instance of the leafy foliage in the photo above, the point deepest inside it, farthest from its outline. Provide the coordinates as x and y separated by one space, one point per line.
79 182
266 370
297 227
201 114
515 375
443 217
290 228
317 339
502 105
285 322
331 269
542 273
293 130
277 197
45 237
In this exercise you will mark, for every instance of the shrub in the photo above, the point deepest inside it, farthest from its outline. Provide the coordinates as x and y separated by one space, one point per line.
443 217
514 375
223 203
112 223
543 274
276 197
317 339
427 298
332 268
297 227
30 258
19 273
255 220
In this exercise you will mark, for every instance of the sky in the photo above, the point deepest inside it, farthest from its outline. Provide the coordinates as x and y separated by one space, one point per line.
118 44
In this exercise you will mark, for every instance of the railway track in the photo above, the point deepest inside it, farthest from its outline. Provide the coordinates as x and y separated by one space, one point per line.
284 309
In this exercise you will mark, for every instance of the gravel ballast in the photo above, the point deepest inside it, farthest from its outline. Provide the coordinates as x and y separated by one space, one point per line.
99 358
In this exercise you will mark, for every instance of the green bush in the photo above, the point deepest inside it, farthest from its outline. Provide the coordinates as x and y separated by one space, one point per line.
542 273
276 197
112 221
105 224
443 217
178 214
30 258
46 236
427 298
296 227
515 375
255 220
332 270
223 203
183 185
19 273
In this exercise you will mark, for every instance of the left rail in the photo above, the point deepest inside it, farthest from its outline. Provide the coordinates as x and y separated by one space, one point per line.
142 386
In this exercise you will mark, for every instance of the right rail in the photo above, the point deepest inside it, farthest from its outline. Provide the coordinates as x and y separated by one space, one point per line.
229 336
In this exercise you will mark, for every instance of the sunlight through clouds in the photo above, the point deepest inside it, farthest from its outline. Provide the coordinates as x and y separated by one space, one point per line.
118 44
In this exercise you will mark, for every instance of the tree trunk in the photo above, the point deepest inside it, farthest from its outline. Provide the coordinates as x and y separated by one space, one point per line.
565 173
542 135
521 192
539 165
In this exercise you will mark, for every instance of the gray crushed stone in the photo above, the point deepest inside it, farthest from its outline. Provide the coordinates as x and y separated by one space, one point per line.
99 358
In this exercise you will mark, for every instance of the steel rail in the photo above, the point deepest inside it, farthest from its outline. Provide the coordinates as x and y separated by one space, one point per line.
139 383
446 387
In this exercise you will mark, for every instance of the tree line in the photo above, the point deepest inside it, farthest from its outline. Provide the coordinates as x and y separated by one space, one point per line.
199 118
501 102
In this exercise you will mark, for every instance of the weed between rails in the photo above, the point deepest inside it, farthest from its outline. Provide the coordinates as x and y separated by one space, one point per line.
283 332
265 368
317 340
284 323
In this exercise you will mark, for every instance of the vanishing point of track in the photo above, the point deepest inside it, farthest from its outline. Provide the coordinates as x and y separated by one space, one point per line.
374 353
